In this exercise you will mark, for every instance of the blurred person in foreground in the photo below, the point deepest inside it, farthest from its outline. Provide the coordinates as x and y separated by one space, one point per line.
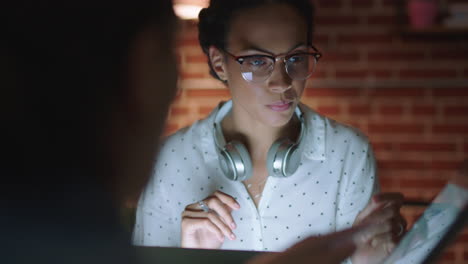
86 88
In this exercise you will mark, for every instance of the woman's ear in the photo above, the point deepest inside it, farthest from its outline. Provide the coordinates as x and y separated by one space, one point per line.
217 62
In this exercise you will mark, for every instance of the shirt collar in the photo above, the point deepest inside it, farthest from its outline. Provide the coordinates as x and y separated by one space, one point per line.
206 136
313 143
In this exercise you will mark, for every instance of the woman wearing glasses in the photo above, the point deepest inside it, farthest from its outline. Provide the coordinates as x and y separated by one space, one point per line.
262 171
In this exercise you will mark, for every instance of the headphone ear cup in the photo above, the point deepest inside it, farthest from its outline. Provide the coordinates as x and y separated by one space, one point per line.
292 161
245 162
235 163
282 158
272 162
227 165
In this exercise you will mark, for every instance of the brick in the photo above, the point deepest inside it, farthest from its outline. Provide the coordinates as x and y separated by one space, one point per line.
401 165
391 110
178 95
445 165
389 3
330 3
466 148
456 92
188 42
359 109
357 125
422 183
319 74
342 20
341 57
365 38
359 74
196 59
205 110
207 93
415 217
191 75
383 56
383 146
396 128
448 256
428 74
461 55
386 181
450 129
423 110
456 111
381 74
462 238
332 92
170 128
397 92
433 147
362 3
178 59
381 20
179 111
321 39
329 110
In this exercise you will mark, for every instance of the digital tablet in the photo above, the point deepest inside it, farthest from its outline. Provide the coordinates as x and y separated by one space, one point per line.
446 216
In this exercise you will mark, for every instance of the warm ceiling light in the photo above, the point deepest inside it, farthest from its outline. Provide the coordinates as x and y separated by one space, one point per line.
189 9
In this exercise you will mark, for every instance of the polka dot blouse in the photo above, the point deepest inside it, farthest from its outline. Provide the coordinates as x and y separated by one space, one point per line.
335 180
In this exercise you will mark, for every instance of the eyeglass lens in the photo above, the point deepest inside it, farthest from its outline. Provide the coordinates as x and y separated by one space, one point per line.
259 68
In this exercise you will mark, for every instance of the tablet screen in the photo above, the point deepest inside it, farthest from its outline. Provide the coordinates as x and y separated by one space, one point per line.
426 234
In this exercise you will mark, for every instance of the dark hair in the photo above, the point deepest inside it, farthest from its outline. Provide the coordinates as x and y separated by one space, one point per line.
215 20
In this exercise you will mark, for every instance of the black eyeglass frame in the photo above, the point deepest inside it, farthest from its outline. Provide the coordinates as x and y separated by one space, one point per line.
240 59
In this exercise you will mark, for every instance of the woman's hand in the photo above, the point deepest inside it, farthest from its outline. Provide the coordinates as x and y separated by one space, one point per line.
208 227
384 209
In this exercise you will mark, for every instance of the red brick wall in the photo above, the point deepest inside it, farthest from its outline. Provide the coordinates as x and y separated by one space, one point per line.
408 93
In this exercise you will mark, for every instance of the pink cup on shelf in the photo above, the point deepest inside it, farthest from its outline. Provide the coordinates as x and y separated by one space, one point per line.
422 13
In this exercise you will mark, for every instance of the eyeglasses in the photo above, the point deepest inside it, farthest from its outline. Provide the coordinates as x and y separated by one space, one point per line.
258 68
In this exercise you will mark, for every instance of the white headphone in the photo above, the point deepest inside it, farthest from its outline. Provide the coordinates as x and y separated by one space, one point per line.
283 157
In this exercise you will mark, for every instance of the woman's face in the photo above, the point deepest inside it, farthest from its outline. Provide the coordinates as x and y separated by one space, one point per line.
267 30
